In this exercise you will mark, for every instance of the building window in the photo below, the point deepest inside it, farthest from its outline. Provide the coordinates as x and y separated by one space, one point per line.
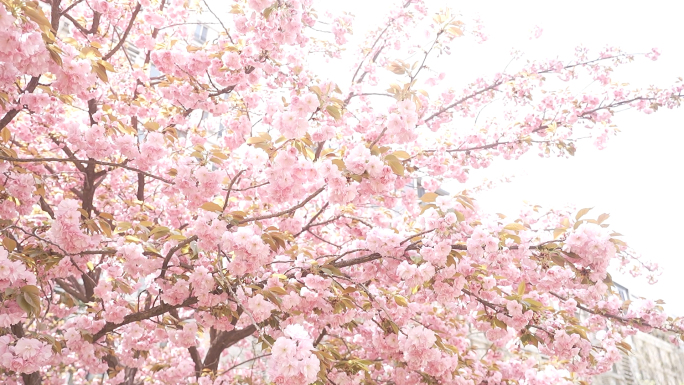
221 130
133 52
63 28
154 72
623 292
201 33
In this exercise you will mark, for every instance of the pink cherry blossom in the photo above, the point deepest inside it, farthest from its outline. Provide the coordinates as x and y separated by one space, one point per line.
186 203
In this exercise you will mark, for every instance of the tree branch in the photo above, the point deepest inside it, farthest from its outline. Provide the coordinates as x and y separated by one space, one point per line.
308 225
179 246
30 87
305 201
143 315
230 187
223 341
79 164
125 34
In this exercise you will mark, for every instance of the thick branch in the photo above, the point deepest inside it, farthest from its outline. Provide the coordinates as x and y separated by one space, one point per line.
223 341
305 201
30 87
125 34
143 315
308 225
79 164
194 354
357 261
167 259
73 292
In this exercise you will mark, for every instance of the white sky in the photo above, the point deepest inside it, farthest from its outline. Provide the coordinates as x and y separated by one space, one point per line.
638 178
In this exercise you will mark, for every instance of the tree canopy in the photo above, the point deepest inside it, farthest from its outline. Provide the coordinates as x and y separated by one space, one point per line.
217 211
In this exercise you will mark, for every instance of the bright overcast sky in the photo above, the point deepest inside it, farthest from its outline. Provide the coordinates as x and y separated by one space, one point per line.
638 179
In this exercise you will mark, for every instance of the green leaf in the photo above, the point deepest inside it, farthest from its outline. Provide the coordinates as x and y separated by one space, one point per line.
334 111
455 31
6 134
558 232
268 11
31 289
521 288
9 243
211 206
256 139
277 290
33 301
429 197
25 306
37 15
332 270
396 165
558 259
400 300
401 154
582 212
515 227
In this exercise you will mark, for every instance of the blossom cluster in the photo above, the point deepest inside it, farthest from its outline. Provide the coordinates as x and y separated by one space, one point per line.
292 359
25 355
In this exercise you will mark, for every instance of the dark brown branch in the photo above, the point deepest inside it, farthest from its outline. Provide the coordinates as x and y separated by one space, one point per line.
70 290
319 149
125 34
246 361
305 201
194 354
223 341
88 190
323 240
371 50
70 154
143 315
45 207
625 321
378 138
129 378
71 6
84 31
251 187
55 14
328 221
79 165
230 186
140 194
179 246
308 225
320 337
416 235
30 87
357 261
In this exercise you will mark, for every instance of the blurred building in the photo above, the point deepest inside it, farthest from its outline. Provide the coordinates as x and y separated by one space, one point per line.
654 360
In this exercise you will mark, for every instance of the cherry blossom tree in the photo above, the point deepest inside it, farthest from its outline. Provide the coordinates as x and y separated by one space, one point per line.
276 238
